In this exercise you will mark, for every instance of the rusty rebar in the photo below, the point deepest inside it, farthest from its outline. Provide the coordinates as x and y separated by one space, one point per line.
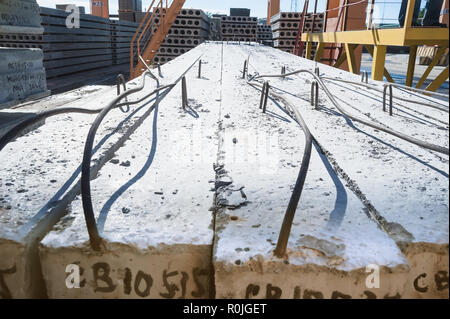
184 93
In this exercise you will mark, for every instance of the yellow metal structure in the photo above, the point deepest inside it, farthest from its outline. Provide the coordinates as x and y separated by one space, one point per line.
377 40
166 12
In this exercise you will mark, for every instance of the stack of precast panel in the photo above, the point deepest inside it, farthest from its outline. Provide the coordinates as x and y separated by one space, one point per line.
243 29
122 33
190 29
285 26
69 49
216 24
265 35
130 10
22 74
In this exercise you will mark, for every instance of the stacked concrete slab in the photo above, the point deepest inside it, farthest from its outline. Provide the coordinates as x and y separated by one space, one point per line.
22 74
70 50
238 28
215 33
191 28
265 34
122 32
193 201
98 44
285 26
130 10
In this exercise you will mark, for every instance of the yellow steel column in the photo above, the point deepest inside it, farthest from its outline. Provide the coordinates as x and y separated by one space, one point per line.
351 59
435 60
437 82
379 58
308 50
386 73
409 14
340 60
319 51
411 65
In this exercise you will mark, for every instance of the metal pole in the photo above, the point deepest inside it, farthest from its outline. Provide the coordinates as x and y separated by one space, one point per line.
390 100
266 97
159 70
121 80
184 93
316 100
263 92
315 95
365 77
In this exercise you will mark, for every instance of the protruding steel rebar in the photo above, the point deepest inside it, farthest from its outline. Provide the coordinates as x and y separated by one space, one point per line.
365 77
390 99
315 95
266 97
200 69
184 93
263 92
159 70
317 71
244 72
121 80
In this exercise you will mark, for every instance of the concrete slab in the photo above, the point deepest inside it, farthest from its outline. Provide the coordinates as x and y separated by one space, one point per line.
404 187
332 241
40 176
20 16
193 202
152 202
21 75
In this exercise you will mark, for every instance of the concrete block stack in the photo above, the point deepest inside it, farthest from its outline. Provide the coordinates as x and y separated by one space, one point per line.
265 35
285 27
216 25
190 29
22 73
68 51
130 10
122 32
237 28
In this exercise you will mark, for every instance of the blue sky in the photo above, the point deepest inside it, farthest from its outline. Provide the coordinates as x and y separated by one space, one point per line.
386 8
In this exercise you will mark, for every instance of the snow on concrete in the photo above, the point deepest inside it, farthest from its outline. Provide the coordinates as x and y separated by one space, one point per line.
154 197
332 240
41 170
404 186
406 183
210 185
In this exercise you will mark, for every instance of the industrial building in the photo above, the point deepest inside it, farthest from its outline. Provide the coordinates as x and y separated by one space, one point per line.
165 152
